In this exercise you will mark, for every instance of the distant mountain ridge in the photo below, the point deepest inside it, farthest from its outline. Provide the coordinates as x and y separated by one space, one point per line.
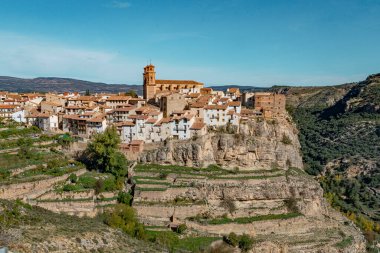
56 84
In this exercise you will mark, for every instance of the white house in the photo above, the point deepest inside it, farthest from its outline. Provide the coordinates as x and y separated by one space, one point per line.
19 116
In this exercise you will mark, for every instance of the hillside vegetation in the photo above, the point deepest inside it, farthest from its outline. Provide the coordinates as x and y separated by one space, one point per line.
340 137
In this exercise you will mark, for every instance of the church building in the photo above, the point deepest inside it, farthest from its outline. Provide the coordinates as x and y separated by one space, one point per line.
153 86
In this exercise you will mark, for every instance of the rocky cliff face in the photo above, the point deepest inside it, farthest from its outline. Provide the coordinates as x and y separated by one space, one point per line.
256 144
262 190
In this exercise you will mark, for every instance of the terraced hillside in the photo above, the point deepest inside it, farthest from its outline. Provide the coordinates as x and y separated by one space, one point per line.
284 206
28 229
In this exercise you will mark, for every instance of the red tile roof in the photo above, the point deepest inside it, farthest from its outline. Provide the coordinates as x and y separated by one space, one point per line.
215 107
178 82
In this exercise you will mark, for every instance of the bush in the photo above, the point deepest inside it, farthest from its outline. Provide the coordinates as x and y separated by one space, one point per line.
232 239
70 187
99 186
73 178
24 142
245 243
124 217
286 140
4 173
228 204
291 205
110 184
124 198
181 228
87 182
163 175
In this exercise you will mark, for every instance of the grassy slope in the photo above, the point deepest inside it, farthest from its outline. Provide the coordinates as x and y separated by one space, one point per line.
25 227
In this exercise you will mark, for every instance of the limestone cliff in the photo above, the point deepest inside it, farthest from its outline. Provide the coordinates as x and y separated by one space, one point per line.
256 144
261 190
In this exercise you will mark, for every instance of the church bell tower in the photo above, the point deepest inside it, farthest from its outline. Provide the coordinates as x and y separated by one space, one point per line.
149 82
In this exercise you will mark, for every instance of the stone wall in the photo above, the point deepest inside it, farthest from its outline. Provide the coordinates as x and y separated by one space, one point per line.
32 189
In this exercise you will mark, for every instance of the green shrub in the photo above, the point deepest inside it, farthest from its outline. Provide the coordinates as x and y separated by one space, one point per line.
70 187
73 178
232 239
245 243
24 142
163 175
110 184
181 228
99 186
87 182
4 173
286 140
124 217
124 198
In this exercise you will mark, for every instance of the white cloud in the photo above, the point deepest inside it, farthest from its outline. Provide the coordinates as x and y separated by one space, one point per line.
119 5
24 56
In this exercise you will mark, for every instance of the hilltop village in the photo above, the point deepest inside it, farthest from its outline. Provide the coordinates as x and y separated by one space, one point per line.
178 109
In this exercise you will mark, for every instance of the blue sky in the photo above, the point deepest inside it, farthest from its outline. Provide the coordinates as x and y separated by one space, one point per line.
243 42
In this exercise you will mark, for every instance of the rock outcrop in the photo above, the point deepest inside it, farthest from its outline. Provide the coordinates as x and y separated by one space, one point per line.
262 190
257 144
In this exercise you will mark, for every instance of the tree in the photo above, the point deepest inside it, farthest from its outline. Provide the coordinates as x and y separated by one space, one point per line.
102 154
87 93
131 93
124 217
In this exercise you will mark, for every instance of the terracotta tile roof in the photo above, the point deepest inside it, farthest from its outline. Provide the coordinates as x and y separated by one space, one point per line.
164 121
197 126
112 98
151 121
8 106
224 99
138 117
96 119
178 82
127 123
215 107
234 103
